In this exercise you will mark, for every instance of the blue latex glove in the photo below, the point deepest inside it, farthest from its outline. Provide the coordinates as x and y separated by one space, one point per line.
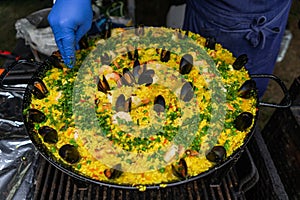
70 20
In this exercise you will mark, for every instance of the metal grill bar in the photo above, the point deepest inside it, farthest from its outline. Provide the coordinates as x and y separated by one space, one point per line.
54 184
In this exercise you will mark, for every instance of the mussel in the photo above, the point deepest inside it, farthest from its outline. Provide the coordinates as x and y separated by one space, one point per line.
217 154
122 104
49 134
159 104
247 90
38 88
165 55
186 64
243 121
187 33
210 43
69 153
114 172
102 85
240 62
55 60
187 92
138 69
127 78
34 115
146 79
129 55
180 169
136 54
148 72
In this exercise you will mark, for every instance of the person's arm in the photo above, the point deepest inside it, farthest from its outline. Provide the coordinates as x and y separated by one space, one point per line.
70 20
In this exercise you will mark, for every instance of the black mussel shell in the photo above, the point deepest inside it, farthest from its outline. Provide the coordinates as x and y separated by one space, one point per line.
240 62
113 173
165 55
149 72
69 153
187 33
55 60
129 54
128 78
138 69
145 79
247 90
187 92
210 43
180 170
35 115
136 54
38 88
186 64
102 85
243 121
49 134
122 104
217 154
159 104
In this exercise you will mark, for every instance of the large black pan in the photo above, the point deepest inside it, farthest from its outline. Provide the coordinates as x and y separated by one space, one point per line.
212 175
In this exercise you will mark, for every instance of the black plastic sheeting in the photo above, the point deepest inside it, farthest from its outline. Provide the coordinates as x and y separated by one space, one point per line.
18 156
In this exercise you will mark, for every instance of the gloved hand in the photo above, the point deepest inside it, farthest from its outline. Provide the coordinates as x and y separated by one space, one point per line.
70 20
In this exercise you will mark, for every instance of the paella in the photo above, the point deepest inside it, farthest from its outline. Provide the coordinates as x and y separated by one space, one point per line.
150 106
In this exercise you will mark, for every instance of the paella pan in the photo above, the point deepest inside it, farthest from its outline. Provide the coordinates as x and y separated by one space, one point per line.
150 108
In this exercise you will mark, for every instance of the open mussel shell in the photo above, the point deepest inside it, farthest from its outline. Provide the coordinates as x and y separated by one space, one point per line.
217 154
186 64
49 134
69 153
210 43
123 105
146 79
34 115
243 121
180 169
55 60
38 88
102 85
240 62
127 78
114 172
159 104
187 92
247 90
165 55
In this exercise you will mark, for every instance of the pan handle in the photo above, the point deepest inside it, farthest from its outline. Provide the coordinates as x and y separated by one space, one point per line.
287 100
15 77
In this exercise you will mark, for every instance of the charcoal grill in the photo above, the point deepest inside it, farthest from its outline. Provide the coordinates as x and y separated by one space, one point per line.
254 176
53 184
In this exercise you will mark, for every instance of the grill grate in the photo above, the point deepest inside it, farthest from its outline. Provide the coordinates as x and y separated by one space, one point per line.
51 183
